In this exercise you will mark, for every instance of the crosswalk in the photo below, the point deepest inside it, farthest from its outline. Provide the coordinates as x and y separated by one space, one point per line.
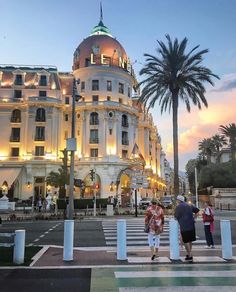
135 235
165 278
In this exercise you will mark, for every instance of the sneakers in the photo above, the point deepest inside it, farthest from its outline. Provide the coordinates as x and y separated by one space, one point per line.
208 246
188 258
154 256
212 246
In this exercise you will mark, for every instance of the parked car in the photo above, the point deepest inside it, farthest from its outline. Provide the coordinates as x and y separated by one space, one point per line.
144 203
167 202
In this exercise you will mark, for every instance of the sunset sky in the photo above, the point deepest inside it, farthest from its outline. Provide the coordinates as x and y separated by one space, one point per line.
47 32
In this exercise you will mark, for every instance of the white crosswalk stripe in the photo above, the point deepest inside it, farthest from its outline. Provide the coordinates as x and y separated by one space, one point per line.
135 235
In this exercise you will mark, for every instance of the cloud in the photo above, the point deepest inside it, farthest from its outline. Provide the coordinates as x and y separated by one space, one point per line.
202 124
227 83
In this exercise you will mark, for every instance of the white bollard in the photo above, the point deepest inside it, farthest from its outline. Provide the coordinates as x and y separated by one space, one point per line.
68 240
19 247
174 239
121 240
226 239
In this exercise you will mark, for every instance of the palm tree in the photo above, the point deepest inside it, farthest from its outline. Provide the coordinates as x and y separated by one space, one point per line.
230 132
206 148
58 179
173 76
219 141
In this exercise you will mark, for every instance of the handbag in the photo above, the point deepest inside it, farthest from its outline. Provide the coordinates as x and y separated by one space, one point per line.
146 228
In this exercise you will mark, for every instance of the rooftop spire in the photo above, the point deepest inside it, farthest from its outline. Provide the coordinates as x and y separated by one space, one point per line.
101 14
100 28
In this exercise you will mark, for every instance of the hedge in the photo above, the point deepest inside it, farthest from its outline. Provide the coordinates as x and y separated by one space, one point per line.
82 203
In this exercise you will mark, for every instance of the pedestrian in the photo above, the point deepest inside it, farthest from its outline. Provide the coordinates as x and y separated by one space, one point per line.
40 203
154 221
186 214
208 221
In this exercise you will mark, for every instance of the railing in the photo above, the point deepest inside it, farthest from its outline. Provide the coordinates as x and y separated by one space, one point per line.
14 139
93 140
15 120
125 124
39 138
125 142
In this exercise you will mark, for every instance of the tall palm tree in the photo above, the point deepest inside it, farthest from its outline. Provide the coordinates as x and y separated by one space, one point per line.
219 141
206 147
173 76
230 132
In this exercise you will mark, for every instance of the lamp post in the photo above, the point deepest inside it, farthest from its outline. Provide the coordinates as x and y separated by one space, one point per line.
196 185
75 97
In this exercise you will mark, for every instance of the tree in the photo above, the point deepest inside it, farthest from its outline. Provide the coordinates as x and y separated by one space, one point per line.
218 141
58 179
230 132
190 171
206 148
173 76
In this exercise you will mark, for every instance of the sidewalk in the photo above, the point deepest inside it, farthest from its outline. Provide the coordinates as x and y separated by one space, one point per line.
52 256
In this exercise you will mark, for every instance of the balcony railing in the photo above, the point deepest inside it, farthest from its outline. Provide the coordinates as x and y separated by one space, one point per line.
14 139
125 124
15 120
94 122
37 138
93 140
125 142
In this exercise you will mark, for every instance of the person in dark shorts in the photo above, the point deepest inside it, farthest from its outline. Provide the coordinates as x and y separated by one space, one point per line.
185 214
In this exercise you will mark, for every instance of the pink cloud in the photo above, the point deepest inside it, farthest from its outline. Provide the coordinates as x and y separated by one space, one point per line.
202 124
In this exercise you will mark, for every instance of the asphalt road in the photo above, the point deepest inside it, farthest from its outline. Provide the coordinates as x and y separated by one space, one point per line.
87 233
45 280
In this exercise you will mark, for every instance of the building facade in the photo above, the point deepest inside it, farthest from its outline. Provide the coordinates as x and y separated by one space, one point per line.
115 135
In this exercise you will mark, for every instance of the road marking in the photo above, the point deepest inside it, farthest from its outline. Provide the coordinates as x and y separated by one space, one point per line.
42 235
178 289
171 274
37 239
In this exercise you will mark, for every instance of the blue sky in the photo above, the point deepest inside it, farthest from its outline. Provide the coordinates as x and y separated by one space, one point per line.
47 32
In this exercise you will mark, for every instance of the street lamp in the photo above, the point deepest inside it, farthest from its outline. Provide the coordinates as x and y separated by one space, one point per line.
72 148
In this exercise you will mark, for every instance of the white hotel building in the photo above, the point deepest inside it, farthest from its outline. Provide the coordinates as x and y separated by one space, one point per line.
35 119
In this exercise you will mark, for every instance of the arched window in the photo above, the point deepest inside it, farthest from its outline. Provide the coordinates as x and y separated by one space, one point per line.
124 121
16 116
40 115
94 119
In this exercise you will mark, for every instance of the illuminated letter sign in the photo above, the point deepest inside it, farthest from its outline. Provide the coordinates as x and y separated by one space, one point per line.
92 60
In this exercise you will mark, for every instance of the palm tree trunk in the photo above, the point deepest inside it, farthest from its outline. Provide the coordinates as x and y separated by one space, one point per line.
175 145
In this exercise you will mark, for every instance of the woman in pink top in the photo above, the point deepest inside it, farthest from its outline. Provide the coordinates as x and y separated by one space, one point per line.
154 218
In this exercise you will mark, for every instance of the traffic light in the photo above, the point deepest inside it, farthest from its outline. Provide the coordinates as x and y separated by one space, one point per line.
96 187
92 174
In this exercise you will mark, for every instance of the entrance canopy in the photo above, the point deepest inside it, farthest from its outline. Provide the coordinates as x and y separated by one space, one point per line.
9 175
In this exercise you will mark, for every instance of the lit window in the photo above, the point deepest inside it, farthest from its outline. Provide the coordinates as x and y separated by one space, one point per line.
124 154
94 152
39 150
108 98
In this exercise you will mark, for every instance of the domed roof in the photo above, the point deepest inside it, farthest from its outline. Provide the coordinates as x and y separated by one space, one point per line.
100 48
